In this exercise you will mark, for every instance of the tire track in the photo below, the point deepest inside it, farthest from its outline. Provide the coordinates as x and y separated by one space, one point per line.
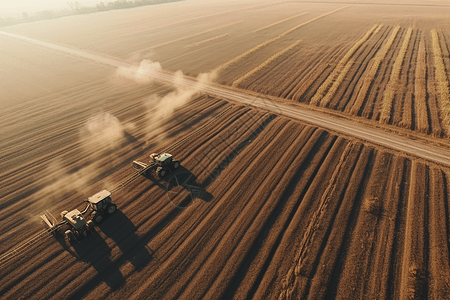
415 261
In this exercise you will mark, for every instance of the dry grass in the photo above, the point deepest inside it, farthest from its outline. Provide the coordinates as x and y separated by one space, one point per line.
325 100
373 72
443 86
264 44
207 40
309 81
392 86
420 90
279 22
322 90
378 28
265 64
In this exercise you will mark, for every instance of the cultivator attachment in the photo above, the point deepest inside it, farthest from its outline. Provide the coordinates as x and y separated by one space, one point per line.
139 166
50 222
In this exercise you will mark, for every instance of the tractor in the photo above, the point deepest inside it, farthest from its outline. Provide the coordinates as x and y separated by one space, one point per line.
79 228
162 163
101 206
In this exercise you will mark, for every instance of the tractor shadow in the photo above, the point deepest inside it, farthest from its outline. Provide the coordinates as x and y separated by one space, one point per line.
181 187
95 251
123 232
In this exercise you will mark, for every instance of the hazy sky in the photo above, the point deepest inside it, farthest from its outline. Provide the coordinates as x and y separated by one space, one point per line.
16 7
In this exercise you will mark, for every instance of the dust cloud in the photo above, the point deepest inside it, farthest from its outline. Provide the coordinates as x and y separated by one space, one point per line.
161 109
143 74
101 133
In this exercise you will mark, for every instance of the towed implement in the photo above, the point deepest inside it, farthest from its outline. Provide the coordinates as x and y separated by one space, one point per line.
100 206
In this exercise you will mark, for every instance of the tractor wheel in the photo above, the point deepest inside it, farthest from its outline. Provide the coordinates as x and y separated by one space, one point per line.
69 236
63 213
91 225
111 208
176 164
98 218
162 173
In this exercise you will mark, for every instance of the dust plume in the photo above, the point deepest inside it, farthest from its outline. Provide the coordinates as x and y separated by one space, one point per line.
144 73
160 109
101 133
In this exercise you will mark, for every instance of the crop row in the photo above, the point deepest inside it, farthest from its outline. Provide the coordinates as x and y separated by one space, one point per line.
250 52
392 86
377 236
265 63
421 90
443 84
370 76
385 76
341 66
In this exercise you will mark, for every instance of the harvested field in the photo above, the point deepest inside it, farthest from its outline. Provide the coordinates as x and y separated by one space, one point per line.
246 234
264 206
377 84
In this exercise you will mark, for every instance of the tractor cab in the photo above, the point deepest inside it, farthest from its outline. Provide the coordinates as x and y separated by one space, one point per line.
100 200
101 206
164 163
162 160
75 219
79 228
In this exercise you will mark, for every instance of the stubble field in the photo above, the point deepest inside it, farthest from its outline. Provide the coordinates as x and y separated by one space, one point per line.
281 209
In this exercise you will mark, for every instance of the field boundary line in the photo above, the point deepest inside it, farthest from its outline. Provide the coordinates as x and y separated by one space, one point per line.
265 63
204 17
279 22
341 66
263 44
187 37
443 85
392 87
207 40
370 76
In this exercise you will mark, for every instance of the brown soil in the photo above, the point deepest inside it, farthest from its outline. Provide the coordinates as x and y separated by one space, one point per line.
282 209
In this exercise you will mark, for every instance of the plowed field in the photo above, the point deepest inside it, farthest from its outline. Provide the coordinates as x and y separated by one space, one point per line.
263 206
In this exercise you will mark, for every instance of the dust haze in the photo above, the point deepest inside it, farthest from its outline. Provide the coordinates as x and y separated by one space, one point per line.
161 109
